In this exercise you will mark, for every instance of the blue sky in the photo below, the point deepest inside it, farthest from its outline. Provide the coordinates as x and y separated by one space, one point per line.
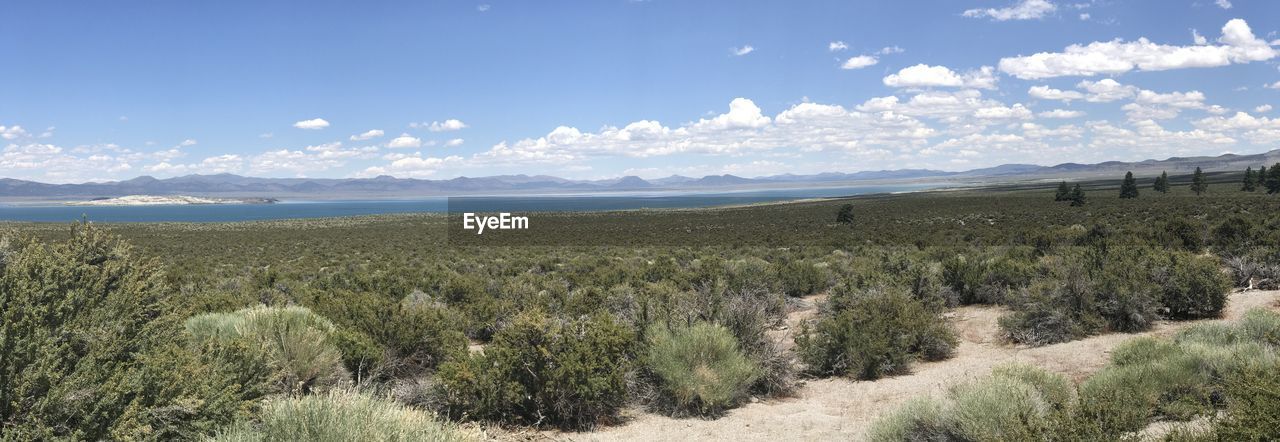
105 90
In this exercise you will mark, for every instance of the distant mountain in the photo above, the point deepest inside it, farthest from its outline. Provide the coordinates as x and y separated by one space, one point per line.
229 185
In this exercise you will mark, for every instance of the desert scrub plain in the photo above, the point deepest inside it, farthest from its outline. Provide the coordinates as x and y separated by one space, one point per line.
642 324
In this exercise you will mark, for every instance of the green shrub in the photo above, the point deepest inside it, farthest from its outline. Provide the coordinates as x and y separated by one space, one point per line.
298 344
1194 287
1253 407
89 348
1143 350
998 408
1262 326
340 416
542 371
919 419
802 278
699 368
414 334
873 333
1053 388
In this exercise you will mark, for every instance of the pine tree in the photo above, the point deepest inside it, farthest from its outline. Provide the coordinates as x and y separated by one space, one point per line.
1162 183
845 215
1250 181
1129 188
1198 185
1261 177
1063 192
1077 196
1273 179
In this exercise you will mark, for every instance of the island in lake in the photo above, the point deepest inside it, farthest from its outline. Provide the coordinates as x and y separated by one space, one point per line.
157 200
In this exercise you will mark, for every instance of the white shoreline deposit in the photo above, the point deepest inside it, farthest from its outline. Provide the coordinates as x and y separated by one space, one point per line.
156 200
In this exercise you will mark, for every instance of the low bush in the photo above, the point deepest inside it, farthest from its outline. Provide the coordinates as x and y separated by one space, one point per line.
920 419
297 343
802 278
1016 402
340 416
90 348
1193 286
699 368
543 371
871 333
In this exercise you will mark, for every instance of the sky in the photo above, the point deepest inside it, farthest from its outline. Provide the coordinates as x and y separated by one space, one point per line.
111 89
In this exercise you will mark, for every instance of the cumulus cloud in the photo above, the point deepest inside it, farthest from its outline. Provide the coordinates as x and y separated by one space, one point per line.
13 132
1224 4
742 50
449 125
405 141
1275 85
890 50
1263 108
1238 44
1061 113
923 75
412 166
367 135
1023 10
859 62
1048 93
837 46
454 142
312 124
1106 90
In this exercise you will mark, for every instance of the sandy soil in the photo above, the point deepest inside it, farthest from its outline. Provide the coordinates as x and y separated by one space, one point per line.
841 409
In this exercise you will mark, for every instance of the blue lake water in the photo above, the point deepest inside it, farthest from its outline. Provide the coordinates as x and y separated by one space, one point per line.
323 209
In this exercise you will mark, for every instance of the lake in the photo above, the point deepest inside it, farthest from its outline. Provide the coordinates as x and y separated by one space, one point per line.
336 208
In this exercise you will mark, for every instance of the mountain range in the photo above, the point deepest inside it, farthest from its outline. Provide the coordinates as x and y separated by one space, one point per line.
391 187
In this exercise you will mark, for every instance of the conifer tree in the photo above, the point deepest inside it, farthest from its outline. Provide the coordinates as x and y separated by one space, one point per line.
1273 179
1077 196
1129 188
1162 183
1261 177
1198 185
1250 181
1063 192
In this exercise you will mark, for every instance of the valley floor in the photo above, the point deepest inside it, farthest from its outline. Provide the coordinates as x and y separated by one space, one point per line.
842 409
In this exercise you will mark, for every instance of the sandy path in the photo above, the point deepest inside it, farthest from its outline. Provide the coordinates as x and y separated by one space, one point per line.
840 409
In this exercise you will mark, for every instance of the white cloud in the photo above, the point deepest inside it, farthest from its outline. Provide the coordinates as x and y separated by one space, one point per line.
454 142
1184 100
1106 90
483 7
367 135
187 142
890 50
1048 93
922 75
266 135
859 62
405 141
742 50
1224 4
837 46
1023 10
1084 16
412 166
312 124
449 125
13 132
1275 85
1061 113
1263 108
1197 38
1239 45
743 114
